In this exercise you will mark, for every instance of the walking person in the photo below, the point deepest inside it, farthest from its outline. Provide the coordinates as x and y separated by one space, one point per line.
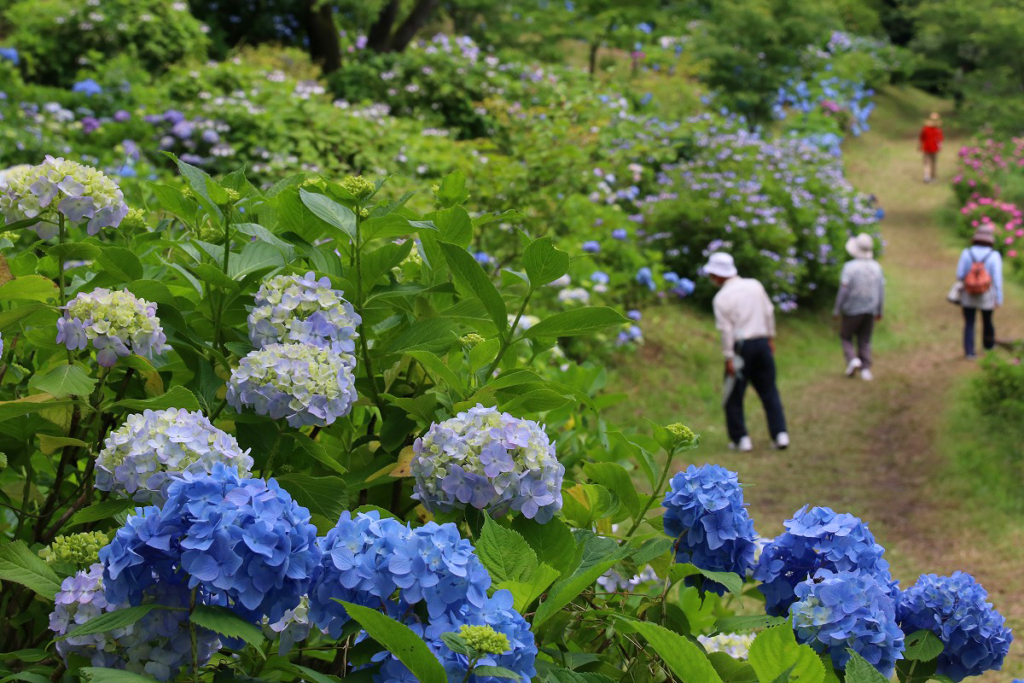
746 318
980 270
929 141
859 304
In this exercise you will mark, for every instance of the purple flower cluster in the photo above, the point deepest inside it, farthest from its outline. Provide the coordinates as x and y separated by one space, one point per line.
116 323
488 459
296 309
705 513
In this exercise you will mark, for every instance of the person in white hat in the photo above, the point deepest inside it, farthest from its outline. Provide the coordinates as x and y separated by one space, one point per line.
859 304
746 318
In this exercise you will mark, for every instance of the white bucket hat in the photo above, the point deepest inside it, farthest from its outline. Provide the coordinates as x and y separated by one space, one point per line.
861 246
721 264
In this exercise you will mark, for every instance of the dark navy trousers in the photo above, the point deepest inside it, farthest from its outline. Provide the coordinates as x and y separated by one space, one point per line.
759 370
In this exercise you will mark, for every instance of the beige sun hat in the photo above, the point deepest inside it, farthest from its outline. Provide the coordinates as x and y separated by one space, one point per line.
984 234
721 264
861 246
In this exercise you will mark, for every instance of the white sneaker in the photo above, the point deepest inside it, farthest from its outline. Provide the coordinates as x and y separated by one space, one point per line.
745 445
853 366
866 375
782 441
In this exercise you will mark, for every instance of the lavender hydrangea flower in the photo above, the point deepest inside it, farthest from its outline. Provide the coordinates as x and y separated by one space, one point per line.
489 460
290 308
974 636
293 627
304 383
817 538
210 528
705 513
116 323
141 458
159 644
367 559
87 87
838 612
82 193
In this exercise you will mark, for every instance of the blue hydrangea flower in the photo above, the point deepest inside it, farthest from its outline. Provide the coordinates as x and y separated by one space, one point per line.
592 247
619 234
955 608
817 538
140 458
290 308
116 323
1 345
243 543
367 559
82 193
488 459
705 513
159 644
10 54
88 87
293 627
837 612
645 278
304 383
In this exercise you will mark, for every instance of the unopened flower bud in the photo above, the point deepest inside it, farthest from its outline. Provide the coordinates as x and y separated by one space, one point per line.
484 639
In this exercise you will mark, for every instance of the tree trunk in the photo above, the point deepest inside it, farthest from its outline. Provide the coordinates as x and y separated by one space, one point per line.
379 39
324 46
413 23
593 58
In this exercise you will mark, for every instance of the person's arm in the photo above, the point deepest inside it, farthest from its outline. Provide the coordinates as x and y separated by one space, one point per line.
840 300
921 137
964 264
726 327
769 316
881 293
997 277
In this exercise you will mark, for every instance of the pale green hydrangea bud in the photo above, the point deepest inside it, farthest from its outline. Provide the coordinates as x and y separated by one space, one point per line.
211 233
80 550
233 196
470 340
3 462
135 220
484 639
682 435
358 186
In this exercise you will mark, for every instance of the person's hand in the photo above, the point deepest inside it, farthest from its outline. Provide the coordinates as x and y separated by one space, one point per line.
771 344
730 367
878 318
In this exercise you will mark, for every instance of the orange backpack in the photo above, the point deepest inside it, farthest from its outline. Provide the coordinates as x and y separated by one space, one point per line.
977 280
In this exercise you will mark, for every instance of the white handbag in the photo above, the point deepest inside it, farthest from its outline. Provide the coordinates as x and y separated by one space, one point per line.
955 292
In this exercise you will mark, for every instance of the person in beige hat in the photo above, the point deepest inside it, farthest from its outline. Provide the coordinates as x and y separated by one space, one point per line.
859 304
980 270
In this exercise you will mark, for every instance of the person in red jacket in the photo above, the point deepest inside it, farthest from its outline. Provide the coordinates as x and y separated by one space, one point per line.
929 142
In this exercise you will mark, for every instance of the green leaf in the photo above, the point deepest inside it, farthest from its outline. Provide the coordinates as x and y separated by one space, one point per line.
544 263
922 646
330 212
496 671
455 643
859 670
747 623
325 496
16 315
200 182
437 367
566 590
316 451
30 404
20 565
401 641
454 226
472 278
153 291
685 659
506 554
315 676
102 510
576 322
108 621
616 479
732 582
121 263
255 256
225 622
431 334
452 189
393 225
553 542
173 201
732 670
74 251
65 380
525 592
775 651
264 235
101 675
176 397
29 288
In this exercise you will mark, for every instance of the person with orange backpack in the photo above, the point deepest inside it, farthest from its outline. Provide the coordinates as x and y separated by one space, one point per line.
980 272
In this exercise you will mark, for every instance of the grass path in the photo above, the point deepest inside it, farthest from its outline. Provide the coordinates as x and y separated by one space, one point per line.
874 449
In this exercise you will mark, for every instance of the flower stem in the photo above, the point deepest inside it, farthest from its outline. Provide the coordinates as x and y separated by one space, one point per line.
506 342
654 495
60 266
192 634
364 346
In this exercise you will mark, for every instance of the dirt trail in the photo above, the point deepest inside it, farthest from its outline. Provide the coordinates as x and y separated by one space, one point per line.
873 448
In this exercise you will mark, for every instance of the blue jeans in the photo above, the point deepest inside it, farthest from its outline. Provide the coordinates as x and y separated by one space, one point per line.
759 370
988 330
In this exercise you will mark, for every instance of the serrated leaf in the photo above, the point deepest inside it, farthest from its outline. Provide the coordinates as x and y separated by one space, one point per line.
566 590
553 542
225 622
732 670
255 256
323 496
30 288
330 212
65 380
401 641
576 322
177 397
732 582
30 404
544 263
859 670
121 263
102 510
451 190
101 675
776 651
748 623
682 657
109 621
922 646
18 564
49 443
525 592
472 278
495 671
506 554
316 451
455 643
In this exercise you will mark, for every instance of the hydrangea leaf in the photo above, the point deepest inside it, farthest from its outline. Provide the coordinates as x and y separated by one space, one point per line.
544 263
732 582
505 553
740 624
109 621
325 496
452 189
552 541
525 592
922 646
559 675
29 288
102 510
566 590
121 263
18 564
400 641
858 670
30 404
616 479
576 322
49 443
685 659
732 670
330 212
471 277
255 256
226 623
453 226
65 380
775 651
316 451
96 674
177 397
495 672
